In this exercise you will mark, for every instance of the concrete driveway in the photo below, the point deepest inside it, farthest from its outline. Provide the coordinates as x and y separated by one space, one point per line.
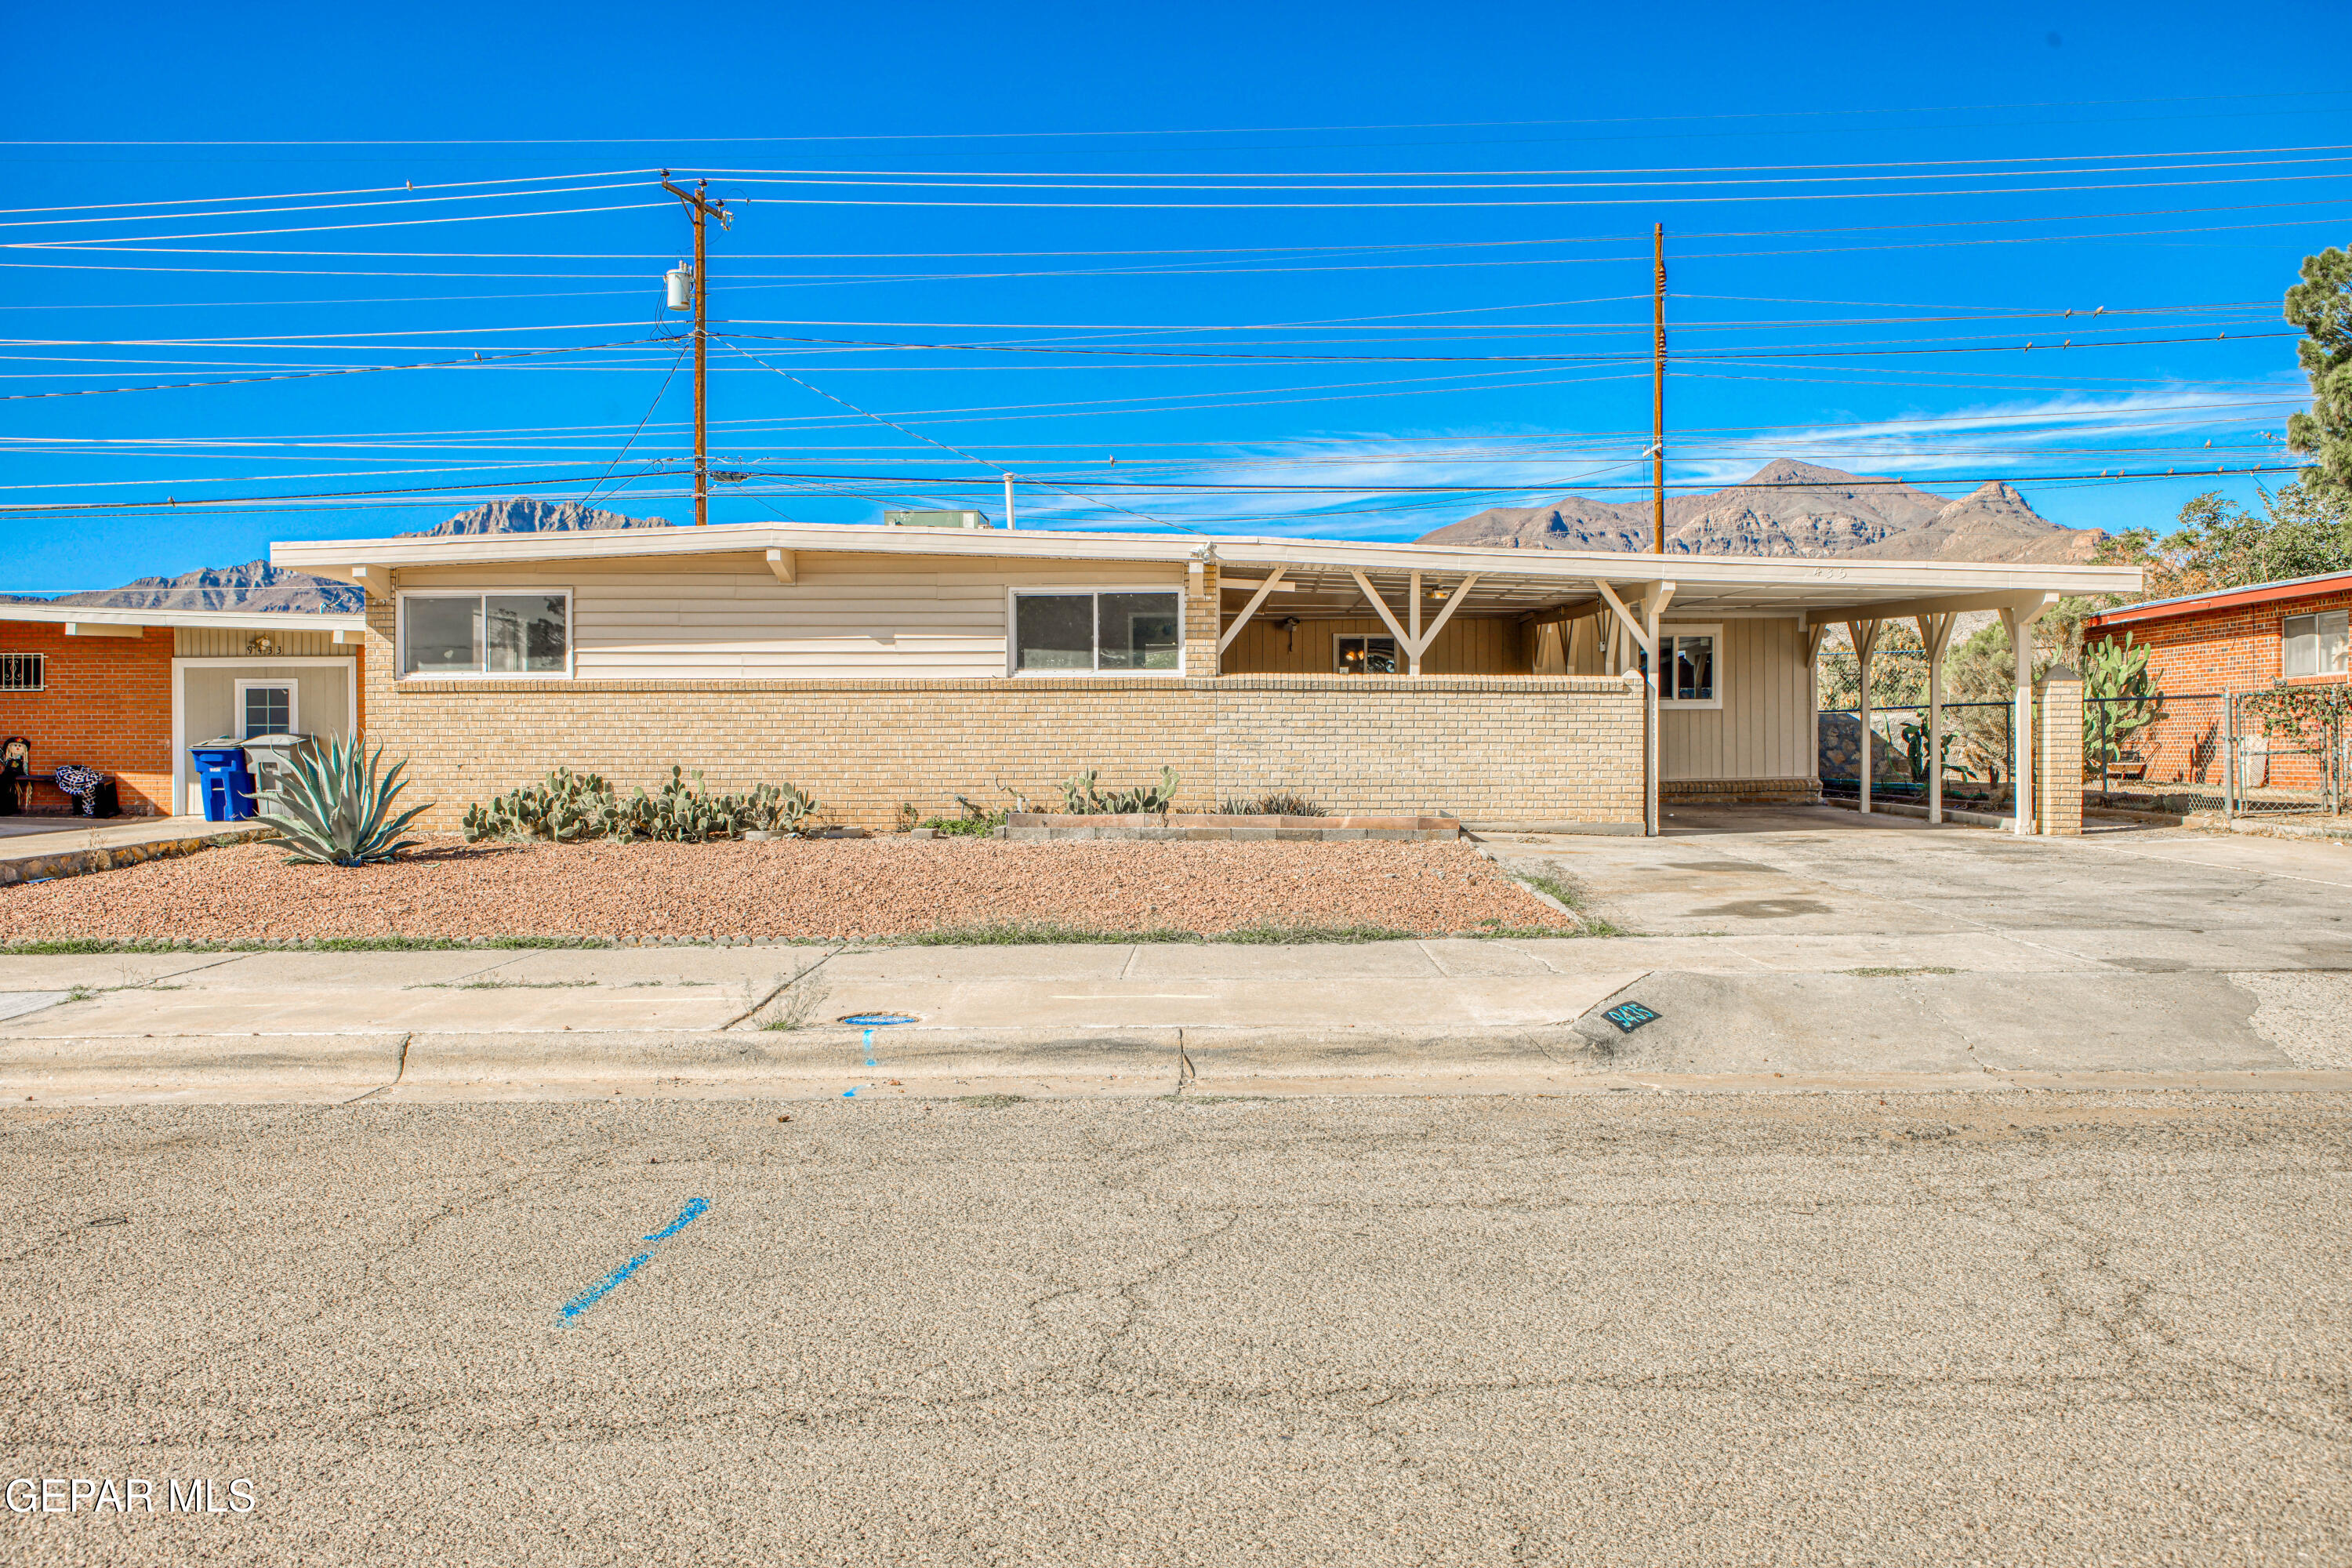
1832 942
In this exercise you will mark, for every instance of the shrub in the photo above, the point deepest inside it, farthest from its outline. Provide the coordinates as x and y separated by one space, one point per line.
1080 798
1274 803
977 820
334 805
568 807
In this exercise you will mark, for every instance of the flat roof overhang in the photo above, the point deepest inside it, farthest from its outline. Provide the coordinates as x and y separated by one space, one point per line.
350 622
1531 581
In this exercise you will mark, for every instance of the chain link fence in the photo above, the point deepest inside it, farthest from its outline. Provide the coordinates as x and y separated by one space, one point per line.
2179 753
1980 758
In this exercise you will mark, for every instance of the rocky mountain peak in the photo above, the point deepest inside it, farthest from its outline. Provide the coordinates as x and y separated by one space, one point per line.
1789 508
525 515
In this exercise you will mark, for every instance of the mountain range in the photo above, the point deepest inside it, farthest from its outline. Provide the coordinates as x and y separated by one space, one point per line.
1787 508
258 585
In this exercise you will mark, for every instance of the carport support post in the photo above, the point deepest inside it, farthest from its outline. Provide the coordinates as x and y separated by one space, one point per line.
1935 636
1864 636
2020 625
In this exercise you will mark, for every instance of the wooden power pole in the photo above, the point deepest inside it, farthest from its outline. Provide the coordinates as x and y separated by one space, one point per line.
700 208
1658 394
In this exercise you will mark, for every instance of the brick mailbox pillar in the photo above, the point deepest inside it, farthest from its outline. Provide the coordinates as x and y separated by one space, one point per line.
2058 752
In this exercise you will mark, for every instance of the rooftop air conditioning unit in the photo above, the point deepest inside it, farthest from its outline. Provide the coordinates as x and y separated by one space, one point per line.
936 520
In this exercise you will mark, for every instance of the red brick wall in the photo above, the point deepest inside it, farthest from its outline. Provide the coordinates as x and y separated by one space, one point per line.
107 705
2239 649
2235 649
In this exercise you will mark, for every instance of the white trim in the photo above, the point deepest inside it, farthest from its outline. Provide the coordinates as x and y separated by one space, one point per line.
181 783
237 620
1820 584
293 690
1671 629
1013 596
401 597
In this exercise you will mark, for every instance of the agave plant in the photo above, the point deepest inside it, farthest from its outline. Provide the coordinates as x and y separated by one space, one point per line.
333 805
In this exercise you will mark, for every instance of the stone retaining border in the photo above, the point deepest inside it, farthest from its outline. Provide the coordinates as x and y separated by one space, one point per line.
1178 826
82 862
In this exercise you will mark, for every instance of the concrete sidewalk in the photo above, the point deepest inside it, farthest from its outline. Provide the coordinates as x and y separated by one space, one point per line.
1410 1017
1789 948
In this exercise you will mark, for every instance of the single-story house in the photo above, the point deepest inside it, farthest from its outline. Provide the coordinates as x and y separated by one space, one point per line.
878 665
125 693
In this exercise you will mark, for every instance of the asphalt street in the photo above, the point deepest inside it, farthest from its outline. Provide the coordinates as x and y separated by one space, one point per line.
1615 1328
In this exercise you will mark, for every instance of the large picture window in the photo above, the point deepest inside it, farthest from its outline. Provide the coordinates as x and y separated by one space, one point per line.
2314 645
486 634
1109 630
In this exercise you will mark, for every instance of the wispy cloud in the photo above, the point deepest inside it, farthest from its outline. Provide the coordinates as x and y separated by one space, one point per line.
2087 433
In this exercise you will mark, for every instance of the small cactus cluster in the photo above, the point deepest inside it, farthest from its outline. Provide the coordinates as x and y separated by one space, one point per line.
1080 798
569 807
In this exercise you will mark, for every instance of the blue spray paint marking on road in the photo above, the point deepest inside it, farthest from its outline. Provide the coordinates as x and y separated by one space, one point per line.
694 1210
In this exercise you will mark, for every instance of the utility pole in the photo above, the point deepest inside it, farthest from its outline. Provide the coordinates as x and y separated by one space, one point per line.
1658 394
700 208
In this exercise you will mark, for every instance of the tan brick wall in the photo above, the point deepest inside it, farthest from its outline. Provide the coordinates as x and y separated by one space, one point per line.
1558 748
2058 757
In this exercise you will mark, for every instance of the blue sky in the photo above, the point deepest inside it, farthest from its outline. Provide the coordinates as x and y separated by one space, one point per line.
1268 258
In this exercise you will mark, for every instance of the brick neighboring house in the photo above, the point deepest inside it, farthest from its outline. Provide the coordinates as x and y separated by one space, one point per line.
2242 639
127 691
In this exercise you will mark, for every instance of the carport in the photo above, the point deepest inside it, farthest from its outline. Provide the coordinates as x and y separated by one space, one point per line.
1737 640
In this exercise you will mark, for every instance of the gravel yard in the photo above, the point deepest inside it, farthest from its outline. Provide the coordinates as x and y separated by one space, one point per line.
843 887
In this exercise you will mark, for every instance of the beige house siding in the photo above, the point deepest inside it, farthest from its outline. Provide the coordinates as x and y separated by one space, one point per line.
1486 645
1497 748
729 617
1764 729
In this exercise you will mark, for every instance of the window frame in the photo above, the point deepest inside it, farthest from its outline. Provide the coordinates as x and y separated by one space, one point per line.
1367 638
292 686
1672 629
1012 597
40 666
400 629
2344 652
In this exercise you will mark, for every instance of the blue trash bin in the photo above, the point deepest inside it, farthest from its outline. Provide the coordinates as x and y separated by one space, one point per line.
226 781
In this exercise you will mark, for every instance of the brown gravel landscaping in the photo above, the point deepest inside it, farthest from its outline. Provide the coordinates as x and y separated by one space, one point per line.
789 889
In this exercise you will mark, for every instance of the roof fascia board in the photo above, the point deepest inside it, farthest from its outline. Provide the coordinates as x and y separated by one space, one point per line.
1698 573
1902 609
2225 599
239 620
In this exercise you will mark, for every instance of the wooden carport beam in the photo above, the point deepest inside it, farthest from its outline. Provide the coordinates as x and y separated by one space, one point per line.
2016 599
1226 638
1415 642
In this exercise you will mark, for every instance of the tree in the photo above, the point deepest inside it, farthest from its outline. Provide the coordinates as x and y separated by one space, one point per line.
2322 306
2302 530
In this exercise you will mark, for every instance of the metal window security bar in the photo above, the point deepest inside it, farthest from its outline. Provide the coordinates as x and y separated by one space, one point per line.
23 671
